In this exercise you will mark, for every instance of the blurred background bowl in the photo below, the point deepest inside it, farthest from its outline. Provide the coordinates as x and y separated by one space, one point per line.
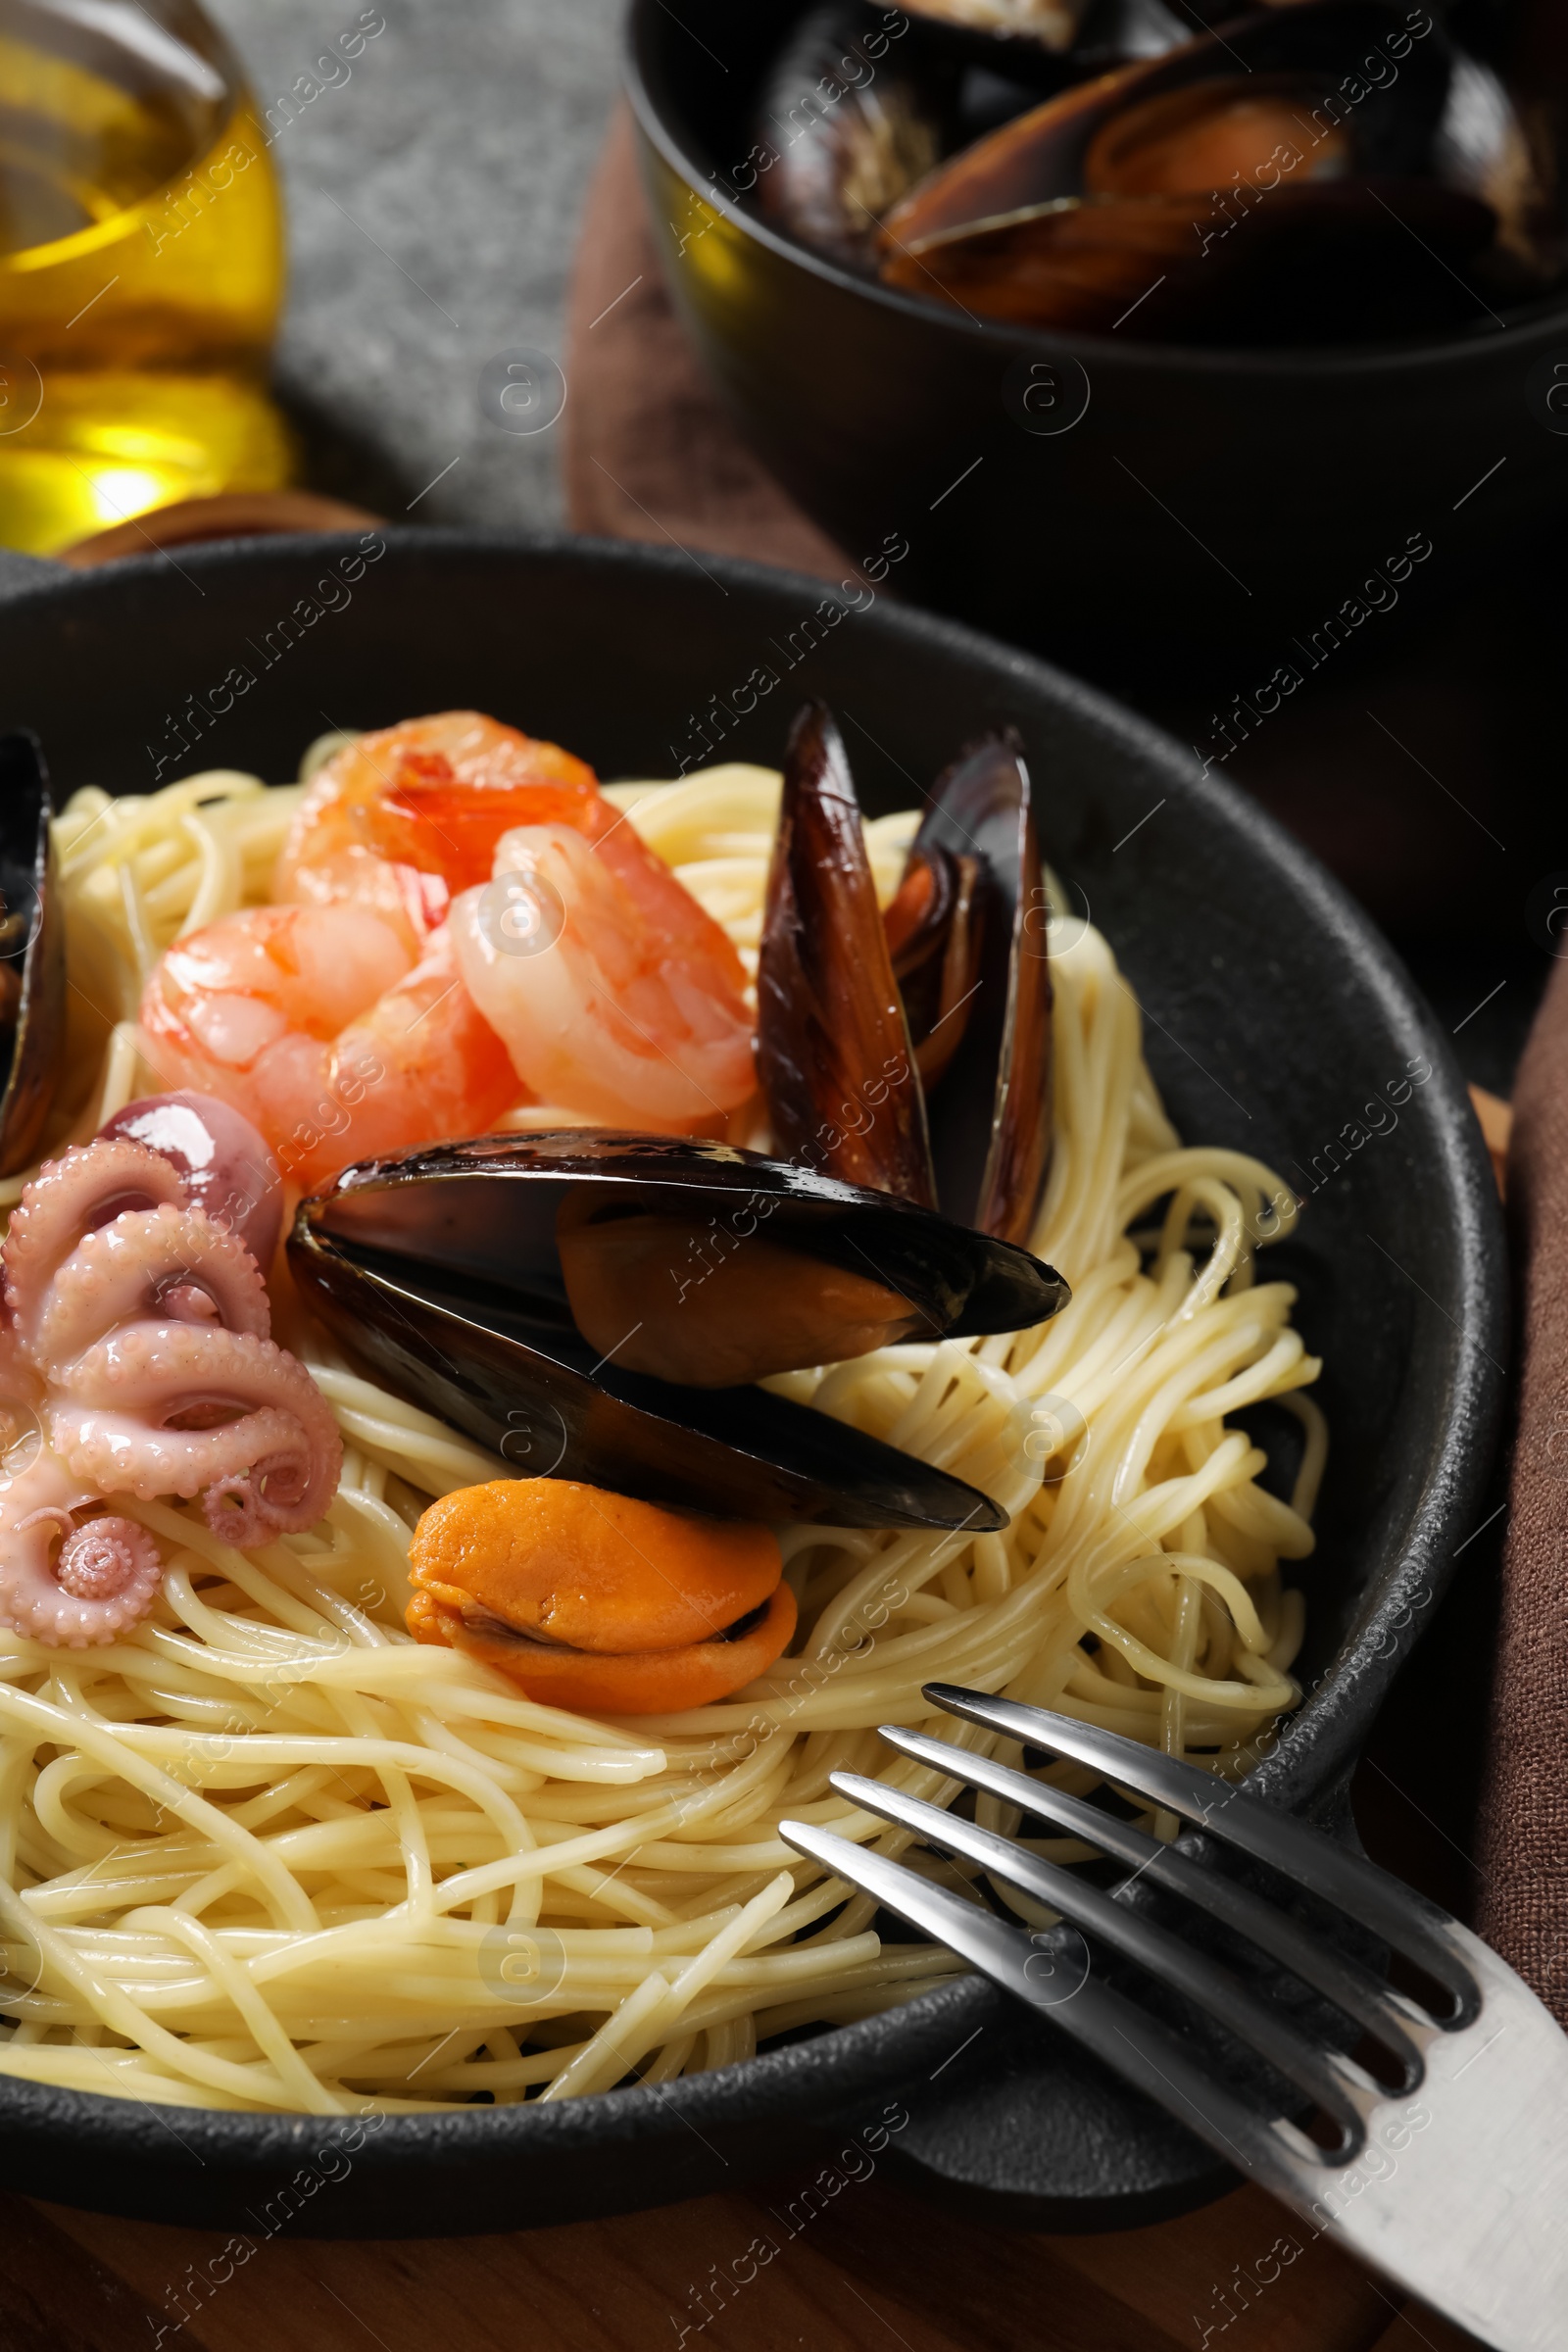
1072 491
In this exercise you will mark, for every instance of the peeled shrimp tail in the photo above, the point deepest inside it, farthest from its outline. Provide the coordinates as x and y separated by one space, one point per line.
603 1006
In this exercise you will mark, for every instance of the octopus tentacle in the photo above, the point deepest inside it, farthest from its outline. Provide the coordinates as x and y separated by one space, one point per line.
69 1197
104 1580
141 1414
249 1508
156 1266
136 1344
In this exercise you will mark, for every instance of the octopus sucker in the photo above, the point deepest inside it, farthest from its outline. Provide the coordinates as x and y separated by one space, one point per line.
138 1341
175 1265
67 1202
69 1580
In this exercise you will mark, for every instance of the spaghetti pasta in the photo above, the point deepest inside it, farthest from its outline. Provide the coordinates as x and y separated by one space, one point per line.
265 1853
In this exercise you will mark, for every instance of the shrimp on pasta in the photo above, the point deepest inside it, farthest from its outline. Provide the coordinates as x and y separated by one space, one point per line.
614 991
401 820
319 1025
344 1019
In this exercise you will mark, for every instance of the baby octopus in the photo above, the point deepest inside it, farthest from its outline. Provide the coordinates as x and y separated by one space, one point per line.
136 1359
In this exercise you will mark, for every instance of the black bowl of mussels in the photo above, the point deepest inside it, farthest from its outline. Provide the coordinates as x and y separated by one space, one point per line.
1117 330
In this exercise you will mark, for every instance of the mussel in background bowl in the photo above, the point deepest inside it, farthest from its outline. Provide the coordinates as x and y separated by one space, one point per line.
847 122
1233 191
1126 499
1383 179
843 162
1021 35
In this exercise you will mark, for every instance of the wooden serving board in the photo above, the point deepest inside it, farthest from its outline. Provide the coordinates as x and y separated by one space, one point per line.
761 2271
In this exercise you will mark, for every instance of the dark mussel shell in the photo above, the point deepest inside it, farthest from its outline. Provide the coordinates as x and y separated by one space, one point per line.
846 125
442 1269
1129 189
863 102
32 953
935 931
833 1047
1050 152
991 1115
971 964
1333 265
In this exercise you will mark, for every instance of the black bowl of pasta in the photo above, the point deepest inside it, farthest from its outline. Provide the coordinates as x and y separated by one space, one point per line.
401 2055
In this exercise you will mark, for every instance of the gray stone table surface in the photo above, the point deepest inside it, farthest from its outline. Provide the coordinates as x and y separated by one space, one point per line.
433 195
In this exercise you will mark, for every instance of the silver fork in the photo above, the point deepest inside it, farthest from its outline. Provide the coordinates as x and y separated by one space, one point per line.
1453 2182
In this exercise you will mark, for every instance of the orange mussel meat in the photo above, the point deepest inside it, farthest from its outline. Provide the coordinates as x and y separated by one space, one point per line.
596 1601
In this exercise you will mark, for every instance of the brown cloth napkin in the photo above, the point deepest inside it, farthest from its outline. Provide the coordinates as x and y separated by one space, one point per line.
1523 1851
650 453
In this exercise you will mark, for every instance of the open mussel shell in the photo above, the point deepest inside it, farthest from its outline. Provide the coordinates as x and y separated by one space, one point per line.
1283 180
1333 264
1039 39
447 1271
833 1049
934 929
846 125
991 1115
1077 264
32 953
834 1011
1504 138
863 103
1049 23
1183 123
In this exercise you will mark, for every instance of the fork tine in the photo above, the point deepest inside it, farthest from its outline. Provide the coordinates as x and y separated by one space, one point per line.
1093 2014
1384 2013
1469 2215
1335 2083
1406 1920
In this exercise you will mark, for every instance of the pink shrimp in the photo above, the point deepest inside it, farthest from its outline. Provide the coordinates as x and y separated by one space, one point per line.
351 1020
401 820
617 995
321 1026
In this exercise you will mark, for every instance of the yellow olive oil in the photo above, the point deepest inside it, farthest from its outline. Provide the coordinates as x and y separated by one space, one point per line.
141 270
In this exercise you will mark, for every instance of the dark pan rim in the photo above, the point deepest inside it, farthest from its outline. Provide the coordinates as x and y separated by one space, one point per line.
642 37
1318 1745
